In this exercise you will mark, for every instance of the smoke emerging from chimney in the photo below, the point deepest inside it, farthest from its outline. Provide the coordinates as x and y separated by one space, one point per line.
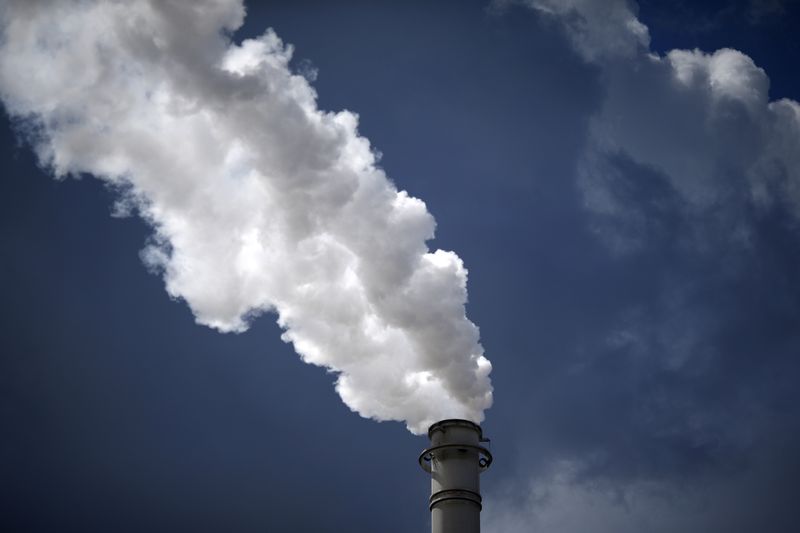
259 201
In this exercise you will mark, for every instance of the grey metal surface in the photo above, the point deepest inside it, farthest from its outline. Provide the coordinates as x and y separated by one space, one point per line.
455 459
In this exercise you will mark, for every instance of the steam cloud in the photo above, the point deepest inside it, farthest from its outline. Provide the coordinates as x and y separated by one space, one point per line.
259 201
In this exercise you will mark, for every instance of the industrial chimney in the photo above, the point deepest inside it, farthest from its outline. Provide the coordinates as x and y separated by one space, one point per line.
455 459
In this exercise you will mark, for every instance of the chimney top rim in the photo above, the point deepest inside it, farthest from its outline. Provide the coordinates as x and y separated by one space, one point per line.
441 425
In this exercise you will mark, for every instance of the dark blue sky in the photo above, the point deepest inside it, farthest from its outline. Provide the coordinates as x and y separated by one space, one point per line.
119 413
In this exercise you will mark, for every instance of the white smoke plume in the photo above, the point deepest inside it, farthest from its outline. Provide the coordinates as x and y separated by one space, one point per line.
259 200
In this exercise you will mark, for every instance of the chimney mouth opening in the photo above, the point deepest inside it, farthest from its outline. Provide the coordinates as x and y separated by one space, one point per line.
442 425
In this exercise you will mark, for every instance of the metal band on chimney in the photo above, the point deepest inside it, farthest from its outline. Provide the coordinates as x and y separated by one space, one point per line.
427 455
455 494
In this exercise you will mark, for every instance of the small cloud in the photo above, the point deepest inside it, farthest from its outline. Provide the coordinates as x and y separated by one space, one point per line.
759 10
307 69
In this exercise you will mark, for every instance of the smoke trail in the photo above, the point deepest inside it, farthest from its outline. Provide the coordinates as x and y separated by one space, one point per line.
259 201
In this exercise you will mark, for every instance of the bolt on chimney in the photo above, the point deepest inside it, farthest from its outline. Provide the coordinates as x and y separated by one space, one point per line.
455 460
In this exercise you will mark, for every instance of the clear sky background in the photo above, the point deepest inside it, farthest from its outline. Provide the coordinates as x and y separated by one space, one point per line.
633 244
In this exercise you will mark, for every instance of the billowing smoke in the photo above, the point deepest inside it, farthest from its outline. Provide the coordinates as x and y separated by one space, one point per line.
259 201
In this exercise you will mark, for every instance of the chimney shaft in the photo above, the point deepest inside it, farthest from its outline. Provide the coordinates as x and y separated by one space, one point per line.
455 459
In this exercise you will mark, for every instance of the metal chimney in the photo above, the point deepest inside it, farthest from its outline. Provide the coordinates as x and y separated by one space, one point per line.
455 459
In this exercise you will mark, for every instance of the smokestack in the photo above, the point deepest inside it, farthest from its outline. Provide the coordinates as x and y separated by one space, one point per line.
455 460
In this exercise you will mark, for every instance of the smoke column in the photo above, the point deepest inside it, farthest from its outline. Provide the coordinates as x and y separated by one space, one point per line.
258 200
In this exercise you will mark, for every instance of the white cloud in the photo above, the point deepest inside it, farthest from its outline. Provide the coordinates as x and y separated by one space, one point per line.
259 200
560 500
599 30
702 120
686 150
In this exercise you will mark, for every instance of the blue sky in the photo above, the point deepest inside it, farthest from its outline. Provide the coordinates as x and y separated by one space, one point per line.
628 215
